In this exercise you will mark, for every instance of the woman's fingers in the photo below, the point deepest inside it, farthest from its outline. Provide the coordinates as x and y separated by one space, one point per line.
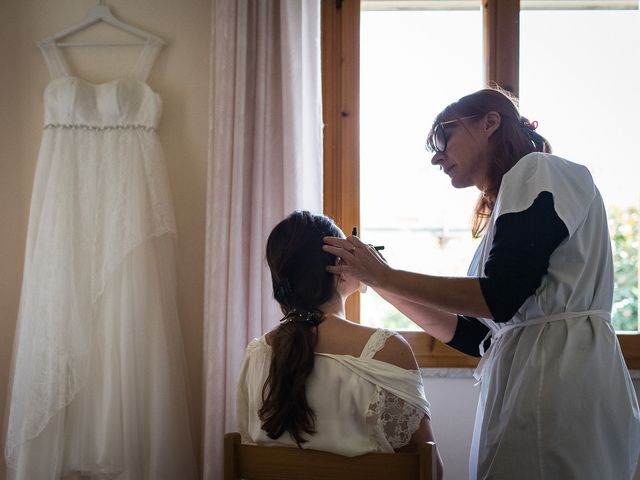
345 253
337 269
336 241
342 247
378 254
359 259
355 241
348 243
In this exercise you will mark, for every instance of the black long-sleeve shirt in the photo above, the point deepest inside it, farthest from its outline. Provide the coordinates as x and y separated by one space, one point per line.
522 245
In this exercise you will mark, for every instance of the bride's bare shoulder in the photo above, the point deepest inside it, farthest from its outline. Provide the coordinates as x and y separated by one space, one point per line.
350 338
397 351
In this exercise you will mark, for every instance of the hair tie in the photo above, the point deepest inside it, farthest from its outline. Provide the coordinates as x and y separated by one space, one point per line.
530 125
311 318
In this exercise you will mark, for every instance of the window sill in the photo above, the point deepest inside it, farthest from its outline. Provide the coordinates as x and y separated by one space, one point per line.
431 353
467 373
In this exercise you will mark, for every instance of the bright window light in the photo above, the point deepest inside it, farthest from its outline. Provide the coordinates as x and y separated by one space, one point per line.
412 64
580 79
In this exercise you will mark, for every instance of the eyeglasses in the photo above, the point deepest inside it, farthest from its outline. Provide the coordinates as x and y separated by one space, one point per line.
438 141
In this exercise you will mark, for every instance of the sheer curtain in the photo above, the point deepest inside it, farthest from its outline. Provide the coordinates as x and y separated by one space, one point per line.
265 160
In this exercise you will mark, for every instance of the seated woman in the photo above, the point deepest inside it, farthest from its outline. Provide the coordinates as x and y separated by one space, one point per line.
318 379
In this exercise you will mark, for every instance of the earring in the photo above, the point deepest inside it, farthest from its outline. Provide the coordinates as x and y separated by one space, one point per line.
363 287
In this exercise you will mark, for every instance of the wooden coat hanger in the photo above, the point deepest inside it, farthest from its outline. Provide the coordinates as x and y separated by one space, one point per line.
101 13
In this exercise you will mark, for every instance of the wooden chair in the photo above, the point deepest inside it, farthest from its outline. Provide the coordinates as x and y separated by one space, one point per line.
250 462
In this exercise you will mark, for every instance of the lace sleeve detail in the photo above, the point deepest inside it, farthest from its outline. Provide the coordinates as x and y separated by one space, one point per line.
391 419
376 342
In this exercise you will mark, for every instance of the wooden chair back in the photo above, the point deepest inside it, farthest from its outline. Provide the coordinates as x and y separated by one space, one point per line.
251 462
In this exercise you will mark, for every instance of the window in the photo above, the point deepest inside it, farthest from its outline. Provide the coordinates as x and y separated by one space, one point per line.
405 203
367 145
566 55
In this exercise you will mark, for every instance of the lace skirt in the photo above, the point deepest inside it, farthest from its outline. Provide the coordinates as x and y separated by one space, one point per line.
98 384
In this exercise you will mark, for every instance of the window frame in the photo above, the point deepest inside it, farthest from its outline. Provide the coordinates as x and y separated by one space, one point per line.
340 47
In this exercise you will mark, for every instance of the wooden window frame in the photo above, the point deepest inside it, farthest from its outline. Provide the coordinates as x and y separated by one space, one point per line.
340 46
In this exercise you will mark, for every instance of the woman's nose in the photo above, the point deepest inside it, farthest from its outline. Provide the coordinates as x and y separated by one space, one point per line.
437 158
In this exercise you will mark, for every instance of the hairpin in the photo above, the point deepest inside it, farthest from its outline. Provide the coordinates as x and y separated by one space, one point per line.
312 318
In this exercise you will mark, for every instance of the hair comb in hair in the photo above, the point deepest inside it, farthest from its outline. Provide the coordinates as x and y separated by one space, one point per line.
312 318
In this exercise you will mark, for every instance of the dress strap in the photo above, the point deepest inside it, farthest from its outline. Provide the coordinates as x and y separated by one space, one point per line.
55 61
147 57
376 342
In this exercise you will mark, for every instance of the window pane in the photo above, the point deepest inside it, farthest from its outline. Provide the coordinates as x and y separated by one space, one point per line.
412 64
580 79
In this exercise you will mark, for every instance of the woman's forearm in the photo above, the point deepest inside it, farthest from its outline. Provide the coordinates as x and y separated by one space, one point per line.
455 295
438 324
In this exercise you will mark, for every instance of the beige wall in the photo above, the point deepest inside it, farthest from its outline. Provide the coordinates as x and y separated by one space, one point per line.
180 76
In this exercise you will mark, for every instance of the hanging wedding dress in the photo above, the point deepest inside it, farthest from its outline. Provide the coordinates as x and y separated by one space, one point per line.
98 388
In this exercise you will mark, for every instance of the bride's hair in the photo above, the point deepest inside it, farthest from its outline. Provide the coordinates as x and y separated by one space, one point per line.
301 284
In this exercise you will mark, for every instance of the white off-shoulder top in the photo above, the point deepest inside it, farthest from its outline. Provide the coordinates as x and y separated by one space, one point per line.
361 404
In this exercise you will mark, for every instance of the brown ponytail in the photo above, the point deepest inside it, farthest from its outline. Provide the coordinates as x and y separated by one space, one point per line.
301 285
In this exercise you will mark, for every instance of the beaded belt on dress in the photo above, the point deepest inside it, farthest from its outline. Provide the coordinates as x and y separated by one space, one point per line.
496 334
101 128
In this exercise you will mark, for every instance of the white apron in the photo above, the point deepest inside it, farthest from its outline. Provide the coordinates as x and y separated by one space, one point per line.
556 400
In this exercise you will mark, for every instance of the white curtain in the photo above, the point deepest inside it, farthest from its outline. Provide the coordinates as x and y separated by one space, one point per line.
265 160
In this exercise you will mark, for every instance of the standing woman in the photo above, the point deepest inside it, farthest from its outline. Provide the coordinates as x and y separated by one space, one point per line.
556 399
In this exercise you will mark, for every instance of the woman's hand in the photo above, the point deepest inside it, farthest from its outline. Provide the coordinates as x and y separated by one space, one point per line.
453 295
359 260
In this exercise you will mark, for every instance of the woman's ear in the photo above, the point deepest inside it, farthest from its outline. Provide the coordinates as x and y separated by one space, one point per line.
491 123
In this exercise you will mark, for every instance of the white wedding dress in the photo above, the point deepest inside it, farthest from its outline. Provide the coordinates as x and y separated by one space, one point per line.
98 384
